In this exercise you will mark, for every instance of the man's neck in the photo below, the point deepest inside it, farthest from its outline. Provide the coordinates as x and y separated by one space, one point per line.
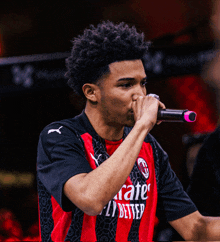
104 130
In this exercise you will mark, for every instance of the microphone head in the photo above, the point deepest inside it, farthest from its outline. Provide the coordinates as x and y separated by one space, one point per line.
190 116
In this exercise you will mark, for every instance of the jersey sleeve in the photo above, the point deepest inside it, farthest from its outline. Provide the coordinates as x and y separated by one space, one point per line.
60 157
173 201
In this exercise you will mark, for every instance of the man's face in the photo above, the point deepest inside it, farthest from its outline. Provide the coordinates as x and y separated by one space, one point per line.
118 90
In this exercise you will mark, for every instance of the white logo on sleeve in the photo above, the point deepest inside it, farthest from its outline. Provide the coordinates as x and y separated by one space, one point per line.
55 130
143 167
96 160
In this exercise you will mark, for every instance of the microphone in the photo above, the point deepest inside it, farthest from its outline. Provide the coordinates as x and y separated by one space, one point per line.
176 115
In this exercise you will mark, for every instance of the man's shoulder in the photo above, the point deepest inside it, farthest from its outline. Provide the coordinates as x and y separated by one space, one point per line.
65 126
61 131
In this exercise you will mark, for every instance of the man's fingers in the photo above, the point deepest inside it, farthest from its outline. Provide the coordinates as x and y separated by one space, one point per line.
146 107
161 105
137 107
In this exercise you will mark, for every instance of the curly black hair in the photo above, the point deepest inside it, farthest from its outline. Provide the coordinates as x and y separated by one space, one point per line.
100 46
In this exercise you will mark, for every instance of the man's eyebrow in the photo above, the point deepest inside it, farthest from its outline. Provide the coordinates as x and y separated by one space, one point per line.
129 79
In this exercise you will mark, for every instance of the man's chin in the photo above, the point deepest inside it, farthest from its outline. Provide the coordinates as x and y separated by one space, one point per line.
130 122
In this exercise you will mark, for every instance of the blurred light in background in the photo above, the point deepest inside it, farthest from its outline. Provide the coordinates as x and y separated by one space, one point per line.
16 179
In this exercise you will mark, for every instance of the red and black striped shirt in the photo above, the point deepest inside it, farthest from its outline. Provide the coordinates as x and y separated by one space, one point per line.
152 190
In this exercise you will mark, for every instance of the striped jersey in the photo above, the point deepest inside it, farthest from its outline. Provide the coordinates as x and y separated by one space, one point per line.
152 190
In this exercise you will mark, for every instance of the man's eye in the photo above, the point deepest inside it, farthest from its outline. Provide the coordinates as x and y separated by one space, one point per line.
126 85
144 83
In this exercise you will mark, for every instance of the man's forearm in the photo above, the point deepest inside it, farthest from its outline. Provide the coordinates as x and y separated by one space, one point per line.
211 230
95 189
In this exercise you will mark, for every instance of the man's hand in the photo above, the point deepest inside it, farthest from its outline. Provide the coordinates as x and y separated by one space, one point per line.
145 110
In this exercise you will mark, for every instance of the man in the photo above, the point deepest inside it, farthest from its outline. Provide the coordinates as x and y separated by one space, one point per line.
204 186
101 175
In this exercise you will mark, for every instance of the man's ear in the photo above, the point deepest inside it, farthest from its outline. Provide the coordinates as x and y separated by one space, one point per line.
90 91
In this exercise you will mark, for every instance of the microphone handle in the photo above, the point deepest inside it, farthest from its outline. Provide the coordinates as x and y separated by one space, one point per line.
176 115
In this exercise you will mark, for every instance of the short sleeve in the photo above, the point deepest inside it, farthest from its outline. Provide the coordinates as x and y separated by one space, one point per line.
173 201
60 157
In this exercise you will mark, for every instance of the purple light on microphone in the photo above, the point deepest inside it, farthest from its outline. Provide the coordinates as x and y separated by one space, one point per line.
190 116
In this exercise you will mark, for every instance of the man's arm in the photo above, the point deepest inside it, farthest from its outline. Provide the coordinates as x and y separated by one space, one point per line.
195 227
92 191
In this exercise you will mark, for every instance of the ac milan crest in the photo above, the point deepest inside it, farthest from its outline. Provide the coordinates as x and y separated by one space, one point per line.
143 167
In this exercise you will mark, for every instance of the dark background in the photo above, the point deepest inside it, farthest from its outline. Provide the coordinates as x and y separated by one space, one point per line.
29 27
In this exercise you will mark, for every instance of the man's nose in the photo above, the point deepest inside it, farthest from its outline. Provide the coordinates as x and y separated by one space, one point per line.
137 94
